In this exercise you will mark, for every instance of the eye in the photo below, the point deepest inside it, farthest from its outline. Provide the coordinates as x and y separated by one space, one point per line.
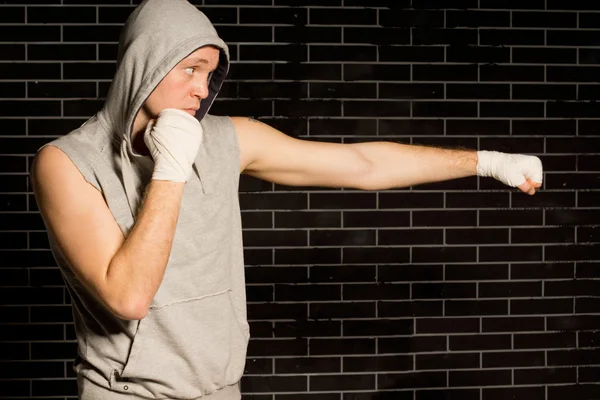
189 70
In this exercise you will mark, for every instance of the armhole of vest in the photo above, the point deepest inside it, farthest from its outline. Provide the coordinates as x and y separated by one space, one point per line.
231 128
82 164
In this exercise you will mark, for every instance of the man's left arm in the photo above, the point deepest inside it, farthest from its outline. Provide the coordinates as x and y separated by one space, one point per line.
271 155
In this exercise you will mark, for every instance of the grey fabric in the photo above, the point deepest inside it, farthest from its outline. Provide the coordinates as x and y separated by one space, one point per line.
193 341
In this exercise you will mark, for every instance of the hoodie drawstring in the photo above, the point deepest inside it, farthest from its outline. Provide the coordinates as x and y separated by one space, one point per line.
126 172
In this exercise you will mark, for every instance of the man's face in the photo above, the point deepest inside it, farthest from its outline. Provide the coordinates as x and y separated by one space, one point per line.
186 85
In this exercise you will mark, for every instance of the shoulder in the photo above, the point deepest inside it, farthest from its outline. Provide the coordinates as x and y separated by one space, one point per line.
52 169
254 137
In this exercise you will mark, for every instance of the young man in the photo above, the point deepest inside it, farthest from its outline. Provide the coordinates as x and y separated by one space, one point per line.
142 211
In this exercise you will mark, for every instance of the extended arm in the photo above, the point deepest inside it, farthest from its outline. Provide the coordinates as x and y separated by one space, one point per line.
271 155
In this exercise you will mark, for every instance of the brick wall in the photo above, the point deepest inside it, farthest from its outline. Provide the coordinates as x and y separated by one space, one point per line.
463 289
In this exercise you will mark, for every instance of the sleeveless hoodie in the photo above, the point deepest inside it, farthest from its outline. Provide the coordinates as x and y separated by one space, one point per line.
192 343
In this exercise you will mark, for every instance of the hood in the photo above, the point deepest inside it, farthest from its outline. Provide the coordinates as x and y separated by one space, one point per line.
157 36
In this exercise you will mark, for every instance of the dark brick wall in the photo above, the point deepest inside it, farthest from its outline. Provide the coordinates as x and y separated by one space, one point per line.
459 290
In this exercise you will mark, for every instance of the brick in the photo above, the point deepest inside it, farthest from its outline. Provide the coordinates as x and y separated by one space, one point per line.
411 18
341 346
479 342
417 344
511 73
514 109
13 278
510 253
343 310
272 15
464 394
478 91
572 38
587 127
444 109
453 37
29 108
542 271
63 51
444 72
477 127
530 393
12 240
308 256
359 255
307 365
337 382
475 19
61 89
62 387
65 14
303 34
476 236
277 347
574 5
544 92
344 273
307 328
411 53
258 238
443 290
13 15
427 308
12 52
475 272
19 146
410 380
12 90
513 4
276 52
544 340
447 361
588 20
259 366
277 311
379 327
29 71
391 291
324 16
378 363
505 37
31 33
376 72
529 19
409 273
544 55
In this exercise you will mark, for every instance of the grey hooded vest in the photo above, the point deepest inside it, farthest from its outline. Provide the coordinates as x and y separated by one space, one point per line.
192 343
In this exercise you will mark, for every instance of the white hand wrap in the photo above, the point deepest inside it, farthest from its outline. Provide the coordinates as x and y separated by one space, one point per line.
173 140
510 169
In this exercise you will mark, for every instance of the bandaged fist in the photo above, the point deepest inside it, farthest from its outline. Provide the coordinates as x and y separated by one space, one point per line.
173 140
516 170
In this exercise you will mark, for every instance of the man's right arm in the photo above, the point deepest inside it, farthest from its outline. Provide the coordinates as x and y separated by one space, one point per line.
124 273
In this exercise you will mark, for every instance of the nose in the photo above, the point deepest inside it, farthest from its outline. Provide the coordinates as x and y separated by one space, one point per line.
200 88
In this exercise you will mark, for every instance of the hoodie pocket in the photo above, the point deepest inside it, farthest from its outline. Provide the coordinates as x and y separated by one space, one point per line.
186 350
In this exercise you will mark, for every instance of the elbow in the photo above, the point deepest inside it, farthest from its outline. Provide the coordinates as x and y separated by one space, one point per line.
124 300
369 178
126 303
131 309
365 175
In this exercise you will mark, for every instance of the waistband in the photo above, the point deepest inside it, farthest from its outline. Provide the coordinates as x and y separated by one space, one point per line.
88 390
